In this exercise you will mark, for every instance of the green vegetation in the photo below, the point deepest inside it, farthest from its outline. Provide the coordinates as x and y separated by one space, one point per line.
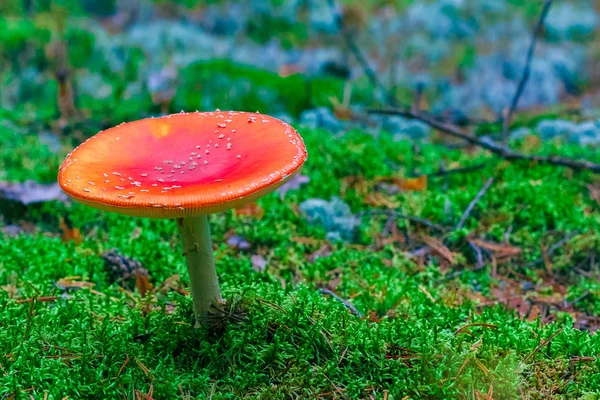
423 335
502 308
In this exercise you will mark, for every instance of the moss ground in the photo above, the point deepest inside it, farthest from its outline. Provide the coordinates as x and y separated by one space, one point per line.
430 328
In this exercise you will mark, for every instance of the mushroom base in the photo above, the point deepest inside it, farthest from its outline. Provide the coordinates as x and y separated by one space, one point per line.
198 253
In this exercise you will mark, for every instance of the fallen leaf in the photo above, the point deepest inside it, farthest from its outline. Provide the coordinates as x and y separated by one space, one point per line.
500 250
142 284
358 183
70 283
70 233
136 233
335 278
43 299
438 247
290 69
308 241
377 199
293 183
173 283
417 184
414 184
343 113
30 192
250 209
11 290
324 251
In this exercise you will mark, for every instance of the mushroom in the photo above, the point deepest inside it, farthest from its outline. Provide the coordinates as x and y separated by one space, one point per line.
185 166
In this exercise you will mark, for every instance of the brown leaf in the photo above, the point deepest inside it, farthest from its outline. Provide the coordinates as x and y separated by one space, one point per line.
324 251
417 184
173 283
70 233
335 278
438 247
414 184
377 199
44 299
343 113
136 233
499 250
290 69
251 210
358 183
11 290
142 283
308 241
70 283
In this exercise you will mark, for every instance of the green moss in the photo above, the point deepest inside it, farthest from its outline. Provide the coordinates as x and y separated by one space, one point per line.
295 342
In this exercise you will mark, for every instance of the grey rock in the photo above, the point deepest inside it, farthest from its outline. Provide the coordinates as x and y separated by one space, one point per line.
567 21
403 128
162 84
586 133
334 216
94 85
322 18
30 192
443 18
221 20
321 117
180 43
552 128
50 140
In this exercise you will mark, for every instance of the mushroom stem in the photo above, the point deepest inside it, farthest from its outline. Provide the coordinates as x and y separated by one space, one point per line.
198 253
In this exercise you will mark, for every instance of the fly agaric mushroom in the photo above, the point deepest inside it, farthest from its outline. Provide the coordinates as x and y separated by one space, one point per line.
185 166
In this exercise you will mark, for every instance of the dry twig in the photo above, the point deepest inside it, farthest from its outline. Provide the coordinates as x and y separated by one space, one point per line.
496 148
475 200
541 346
349 306
526 70
553 248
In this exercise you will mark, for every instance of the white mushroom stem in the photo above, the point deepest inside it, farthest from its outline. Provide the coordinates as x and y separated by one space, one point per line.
198 253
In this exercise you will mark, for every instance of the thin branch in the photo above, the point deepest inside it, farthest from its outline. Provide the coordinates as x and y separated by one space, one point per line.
490 145
353 47
527 70
478 197
554 247
349 306
445 172
544 343
392 213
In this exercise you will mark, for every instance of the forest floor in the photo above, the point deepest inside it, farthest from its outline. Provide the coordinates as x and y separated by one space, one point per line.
95 305
399 264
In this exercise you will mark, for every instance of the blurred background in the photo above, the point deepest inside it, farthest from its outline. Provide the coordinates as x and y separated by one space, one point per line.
65 62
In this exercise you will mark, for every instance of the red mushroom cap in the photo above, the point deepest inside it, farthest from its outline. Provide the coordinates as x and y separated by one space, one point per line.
183 164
